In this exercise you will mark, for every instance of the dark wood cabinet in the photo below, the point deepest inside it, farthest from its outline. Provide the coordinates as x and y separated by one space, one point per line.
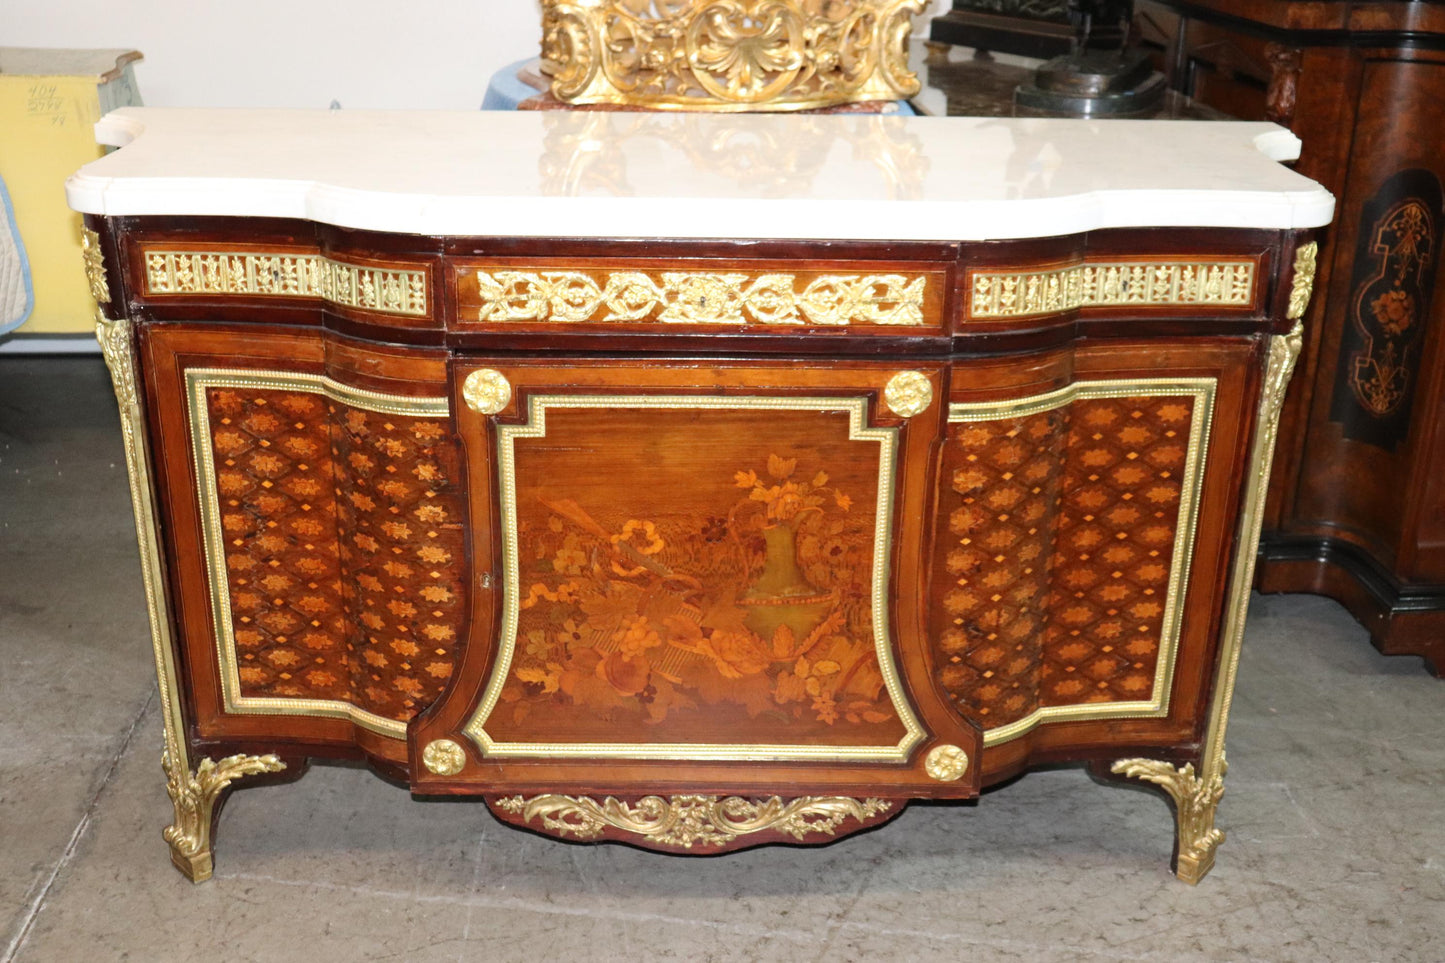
1357 503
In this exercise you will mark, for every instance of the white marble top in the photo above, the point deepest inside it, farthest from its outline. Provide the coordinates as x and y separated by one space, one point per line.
667 175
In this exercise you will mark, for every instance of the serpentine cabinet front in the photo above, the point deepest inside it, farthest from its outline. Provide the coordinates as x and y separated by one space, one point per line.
696 545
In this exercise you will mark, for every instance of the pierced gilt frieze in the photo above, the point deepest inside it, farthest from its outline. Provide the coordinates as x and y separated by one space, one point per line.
1070 525
394 291
1017 294
695 577
1382 344
496 295
728 55
693 822
332 523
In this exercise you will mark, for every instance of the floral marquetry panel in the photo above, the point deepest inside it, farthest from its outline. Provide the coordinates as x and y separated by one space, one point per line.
1065 532
696 576
335 548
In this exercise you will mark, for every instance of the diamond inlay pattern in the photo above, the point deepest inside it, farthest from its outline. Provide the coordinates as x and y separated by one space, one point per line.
1062 528
343 548
275 489
402 554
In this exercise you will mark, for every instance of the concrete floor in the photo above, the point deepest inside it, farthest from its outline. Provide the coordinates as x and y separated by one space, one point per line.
1335 808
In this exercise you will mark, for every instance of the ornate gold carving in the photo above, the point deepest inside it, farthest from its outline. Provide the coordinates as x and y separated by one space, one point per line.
1283 353
908 393
1016 294
1303 284
486 391
514 594
700 297
728 55
946 763
94 265
383 290
1195 801
198 381
194 795
444 757
1191 483
688 821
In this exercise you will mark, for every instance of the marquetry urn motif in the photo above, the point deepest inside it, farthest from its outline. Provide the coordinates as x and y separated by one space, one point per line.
663 600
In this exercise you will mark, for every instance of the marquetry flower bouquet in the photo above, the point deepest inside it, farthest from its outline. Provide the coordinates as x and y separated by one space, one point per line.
764 606
785 499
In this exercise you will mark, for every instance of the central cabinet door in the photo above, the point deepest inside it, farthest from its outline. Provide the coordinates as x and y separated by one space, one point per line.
696 575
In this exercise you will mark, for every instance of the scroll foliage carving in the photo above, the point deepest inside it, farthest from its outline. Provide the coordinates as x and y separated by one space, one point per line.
1303 285
94 266
728 55
688 821
699 297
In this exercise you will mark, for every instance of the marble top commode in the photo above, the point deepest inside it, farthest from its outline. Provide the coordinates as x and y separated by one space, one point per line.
697 482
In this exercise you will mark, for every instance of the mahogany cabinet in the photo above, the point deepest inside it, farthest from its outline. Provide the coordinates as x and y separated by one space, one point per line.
1357 502
689 540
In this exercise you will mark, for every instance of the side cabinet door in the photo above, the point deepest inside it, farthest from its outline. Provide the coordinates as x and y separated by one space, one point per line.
697 576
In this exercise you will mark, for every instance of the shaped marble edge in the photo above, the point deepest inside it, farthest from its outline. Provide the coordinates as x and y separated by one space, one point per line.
851 177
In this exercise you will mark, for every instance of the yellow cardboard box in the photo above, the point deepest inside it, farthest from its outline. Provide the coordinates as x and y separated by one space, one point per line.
49 103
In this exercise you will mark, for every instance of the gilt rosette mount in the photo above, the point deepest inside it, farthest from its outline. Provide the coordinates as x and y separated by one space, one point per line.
728 55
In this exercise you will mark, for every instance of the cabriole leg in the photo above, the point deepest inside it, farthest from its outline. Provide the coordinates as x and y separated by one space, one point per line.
1195 802
195 795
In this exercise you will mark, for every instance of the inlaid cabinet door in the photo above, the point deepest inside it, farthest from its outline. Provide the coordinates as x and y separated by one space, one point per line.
1085 515
695 575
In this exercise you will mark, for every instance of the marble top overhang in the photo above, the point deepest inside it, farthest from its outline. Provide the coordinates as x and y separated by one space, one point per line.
669 175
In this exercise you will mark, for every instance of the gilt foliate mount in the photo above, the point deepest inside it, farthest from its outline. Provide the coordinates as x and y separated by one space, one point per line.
728 55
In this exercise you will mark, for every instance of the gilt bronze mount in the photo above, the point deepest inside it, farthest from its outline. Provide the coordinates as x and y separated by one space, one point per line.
728 55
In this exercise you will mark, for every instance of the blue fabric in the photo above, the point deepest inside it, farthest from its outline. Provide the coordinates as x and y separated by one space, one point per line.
10 324
505 91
